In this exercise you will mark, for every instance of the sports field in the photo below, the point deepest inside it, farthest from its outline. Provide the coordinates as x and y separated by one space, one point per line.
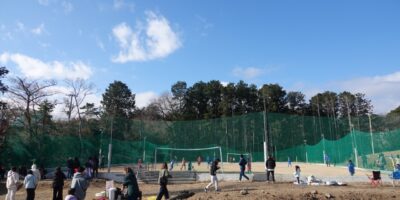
257 190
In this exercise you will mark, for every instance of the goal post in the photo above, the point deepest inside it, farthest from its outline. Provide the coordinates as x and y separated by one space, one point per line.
188 149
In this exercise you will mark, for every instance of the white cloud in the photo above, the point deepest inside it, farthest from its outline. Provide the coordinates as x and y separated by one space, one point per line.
20 26
35 68
43 2
205 26
39 30
100 44
247 73
144 99
120 4
155 40
67 6
384 90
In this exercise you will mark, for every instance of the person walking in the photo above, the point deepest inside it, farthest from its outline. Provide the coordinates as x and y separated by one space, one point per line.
58 184
171 165
242 164
213 172
163 181
80 184
270 166
30 183
350 166
130 182
12 183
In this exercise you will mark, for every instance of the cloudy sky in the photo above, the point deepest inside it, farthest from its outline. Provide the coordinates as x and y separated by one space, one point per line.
310 46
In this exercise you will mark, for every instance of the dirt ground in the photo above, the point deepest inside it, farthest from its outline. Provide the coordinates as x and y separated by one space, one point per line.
318 170
231 190
257 190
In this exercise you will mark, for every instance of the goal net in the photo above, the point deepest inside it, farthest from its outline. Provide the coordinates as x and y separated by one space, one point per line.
204 155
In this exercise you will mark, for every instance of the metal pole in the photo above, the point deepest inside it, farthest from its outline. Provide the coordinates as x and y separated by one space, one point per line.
370 132
110 145
144 149
222 163
266 149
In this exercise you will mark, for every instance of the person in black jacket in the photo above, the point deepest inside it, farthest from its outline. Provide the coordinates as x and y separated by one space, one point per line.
70 166
213 172
270 166
58 184
242 164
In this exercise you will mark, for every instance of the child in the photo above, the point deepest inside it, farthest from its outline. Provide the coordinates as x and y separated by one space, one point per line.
289 162
297 173
350 165
190 166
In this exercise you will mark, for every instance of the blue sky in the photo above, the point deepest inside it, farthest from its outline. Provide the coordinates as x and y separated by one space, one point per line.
309 46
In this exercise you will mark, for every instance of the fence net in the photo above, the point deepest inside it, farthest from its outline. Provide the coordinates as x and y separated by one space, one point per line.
300 138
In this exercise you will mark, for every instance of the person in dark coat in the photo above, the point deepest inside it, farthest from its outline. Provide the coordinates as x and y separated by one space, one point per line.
242 164
70 166
130 182
76 164
58 184
163 181
270 166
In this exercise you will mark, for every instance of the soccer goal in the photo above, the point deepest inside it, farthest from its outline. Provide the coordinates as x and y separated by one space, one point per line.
214 149
235 157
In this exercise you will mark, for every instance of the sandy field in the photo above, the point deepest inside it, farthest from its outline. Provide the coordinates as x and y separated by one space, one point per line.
256 190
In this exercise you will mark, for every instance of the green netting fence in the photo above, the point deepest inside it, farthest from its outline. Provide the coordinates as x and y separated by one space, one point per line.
302 138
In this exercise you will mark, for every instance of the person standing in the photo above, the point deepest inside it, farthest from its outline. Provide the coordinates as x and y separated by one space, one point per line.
58 184
213 172
327 160
249 165
130 182
183 166
36 172
70 166
199 160
350 166
289 162
95 166
163 181
242 164
12 183
297 173
30 183
80 184
270 166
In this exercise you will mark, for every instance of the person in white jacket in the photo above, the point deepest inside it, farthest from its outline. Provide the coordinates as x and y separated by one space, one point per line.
12 183
36 172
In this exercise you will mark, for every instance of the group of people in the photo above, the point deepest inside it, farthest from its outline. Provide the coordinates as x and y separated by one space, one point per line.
92 167
77 191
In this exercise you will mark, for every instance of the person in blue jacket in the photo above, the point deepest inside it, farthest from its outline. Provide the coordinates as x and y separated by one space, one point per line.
351 167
